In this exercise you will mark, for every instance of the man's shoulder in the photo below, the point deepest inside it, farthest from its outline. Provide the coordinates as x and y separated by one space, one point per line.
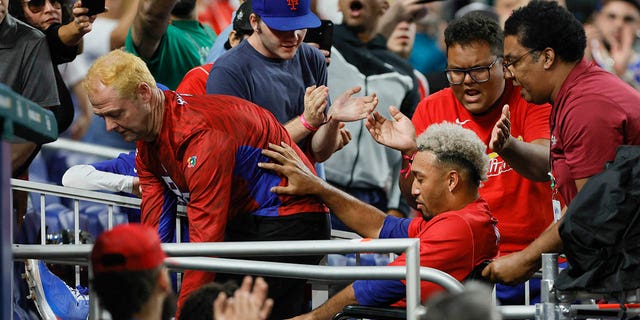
15 31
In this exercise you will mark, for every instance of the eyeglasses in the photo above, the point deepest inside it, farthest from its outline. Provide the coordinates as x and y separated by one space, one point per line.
36 6
507 65
477 74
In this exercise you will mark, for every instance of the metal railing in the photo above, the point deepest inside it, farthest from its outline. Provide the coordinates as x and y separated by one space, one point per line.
411 272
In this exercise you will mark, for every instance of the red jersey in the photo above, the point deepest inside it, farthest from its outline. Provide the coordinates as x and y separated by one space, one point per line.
207 153
454 242
523 207
195 81
594 113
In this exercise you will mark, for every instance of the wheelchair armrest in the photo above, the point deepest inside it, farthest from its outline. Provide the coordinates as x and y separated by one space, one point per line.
379 313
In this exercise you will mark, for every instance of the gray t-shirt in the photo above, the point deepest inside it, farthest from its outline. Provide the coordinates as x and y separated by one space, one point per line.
25 62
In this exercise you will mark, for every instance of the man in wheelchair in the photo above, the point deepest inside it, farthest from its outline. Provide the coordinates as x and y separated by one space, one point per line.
456 229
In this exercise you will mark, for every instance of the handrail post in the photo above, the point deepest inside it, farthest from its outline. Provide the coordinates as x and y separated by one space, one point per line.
413 279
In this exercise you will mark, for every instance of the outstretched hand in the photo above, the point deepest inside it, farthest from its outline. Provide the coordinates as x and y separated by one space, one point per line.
347 108
399 134
286 162
501 131
246 303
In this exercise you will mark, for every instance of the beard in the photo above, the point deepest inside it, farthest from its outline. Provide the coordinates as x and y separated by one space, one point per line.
183 8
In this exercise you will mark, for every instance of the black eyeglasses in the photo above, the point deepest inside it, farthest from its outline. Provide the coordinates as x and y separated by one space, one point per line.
477 74
36 6
512 63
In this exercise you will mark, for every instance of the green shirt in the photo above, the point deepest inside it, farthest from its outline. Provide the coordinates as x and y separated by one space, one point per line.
185 45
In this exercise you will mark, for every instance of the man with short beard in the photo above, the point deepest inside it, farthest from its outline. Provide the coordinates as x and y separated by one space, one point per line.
168 37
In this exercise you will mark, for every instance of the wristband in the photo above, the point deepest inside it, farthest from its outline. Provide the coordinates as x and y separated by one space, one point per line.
307 124
406 171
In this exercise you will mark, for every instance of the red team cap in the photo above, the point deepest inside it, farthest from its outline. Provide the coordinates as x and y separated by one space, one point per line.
286 15
127 247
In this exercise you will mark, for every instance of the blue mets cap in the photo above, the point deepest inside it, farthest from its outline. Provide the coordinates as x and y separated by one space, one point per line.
286 15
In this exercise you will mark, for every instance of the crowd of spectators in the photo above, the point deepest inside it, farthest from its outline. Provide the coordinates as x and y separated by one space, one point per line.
467 124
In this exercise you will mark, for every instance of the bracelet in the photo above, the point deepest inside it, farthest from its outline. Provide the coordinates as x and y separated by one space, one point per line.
406 171
307 124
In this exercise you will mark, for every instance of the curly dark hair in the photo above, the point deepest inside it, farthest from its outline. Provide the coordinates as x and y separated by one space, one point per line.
17 11
545 24
472 28
124 293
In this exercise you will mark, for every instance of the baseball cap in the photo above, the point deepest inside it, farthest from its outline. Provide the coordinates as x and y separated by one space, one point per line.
241 23
286 15
241 20
127 247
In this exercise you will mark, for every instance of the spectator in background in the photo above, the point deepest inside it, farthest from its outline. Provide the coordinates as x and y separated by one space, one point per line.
612 38
219 46
169 39
64 31
26 62
195 81
456 229
547 61
360 57
401 42
277 71
481 100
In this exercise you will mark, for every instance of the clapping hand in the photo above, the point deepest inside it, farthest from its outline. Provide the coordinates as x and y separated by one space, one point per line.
399 134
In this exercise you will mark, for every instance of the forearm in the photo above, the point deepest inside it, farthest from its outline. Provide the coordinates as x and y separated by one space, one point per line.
119 33
531 160
325 141
548 242
335 304
89 178
363 218
296 130
150 24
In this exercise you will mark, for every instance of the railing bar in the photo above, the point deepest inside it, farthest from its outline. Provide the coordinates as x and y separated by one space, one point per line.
68 192
43 219
110 217
76 233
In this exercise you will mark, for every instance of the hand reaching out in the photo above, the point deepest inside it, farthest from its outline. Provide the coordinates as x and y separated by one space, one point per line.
246 303
286 162
501 131
315 101
347 108
399 134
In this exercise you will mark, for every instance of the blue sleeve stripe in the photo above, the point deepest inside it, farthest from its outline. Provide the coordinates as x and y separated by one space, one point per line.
379 292
394 227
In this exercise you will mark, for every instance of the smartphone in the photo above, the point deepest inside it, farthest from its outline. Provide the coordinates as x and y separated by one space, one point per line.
322 35
95 6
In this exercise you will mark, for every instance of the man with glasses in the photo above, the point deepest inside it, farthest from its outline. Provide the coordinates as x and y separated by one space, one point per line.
593 113
480 99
